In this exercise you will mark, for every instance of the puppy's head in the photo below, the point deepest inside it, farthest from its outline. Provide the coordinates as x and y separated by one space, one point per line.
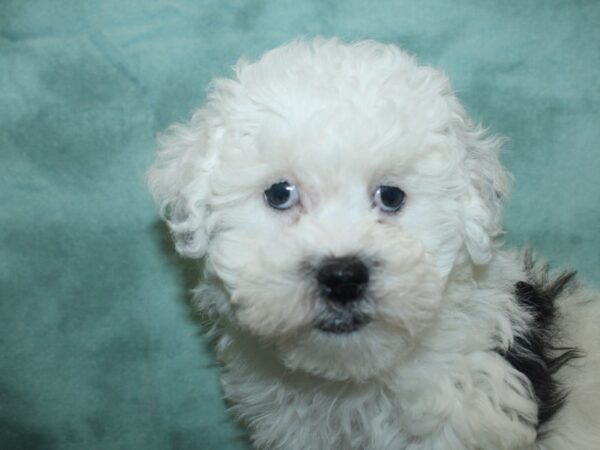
331 189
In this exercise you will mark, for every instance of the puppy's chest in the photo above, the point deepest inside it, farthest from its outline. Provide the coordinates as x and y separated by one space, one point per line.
429 408
298 414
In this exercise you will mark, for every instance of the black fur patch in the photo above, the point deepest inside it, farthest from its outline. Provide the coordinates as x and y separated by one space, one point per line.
536 354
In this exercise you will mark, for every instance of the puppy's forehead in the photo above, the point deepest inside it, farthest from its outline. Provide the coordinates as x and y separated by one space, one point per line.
343 136
332 111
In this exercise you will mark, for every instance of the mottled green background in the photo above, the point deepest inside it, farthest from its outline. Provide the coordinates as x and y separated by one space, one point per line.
97 349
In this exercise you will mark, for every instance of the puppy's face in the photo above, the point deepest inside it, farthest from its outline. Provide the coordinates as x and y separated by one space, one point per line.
332 191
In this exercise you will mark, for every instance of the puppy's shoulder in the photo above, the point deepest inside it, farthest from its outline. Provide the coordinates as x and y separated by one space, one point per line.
558 351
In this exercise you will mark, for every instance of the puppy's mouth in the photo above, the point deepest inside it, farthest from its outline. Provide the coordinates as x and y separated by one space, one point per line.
341 321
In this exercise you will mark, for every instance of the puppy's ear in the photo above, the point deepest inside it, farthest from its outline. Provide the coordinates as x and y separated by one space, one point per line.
489 185
178 181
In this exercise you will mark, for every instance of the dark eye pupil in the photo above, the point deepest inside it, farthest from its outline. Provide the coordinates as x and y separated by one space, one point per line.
391 196
279 193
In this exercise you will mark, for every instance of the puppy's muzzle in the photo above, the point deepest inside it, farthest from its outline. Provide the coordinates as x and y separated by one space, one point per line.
343 280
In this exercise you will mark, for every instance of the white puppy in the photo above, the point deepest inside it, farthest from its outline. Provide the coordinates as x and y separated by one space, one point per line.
346 212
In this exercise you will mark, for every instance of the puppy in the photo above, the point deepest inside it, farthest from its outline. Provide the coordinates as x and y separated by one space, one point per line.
346 212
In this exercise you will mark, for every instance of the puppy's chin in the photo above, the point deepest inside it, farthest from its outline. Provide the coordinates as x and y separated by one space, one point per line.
357 355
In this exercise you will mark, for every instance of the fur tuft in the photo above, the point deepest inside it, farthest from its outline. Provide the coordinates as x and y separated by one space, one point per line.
537 353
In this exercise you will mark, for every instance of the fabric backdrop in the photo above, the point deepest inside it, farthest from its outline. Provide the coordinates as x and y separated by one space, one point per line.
98 349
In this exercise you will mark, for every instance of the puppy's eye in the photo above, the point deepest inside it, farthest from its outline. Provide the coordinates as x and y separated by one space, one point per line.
389 198
282 195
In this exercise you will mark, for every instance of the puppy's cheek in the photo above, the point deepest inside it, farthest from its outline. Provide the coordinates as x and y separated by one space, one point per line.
228 253
266 315
408 289
272 299
437 224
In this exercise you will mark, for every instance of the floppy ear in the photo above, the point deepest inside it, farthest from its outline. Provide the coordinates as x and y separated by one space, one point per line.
489 185
178 181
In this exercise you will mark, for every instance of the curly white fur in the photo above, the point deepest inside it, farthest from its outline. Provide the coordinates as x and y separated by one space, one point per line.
337 120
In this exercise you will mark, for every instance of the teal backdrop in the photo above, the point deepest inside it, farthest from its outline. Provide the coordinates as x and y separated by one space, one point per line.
98 349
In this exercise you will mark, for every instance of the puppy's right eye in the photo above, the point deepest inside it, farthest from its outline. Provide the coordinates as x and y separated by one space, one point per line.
282 195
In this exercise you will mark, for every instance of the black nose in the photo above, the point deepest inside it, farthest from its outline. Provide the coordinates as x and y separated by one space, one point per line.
343 280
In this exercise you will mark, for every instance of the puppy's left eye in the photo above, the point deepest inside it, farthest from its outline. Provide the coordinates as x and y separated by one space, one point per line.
282 195
389 198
